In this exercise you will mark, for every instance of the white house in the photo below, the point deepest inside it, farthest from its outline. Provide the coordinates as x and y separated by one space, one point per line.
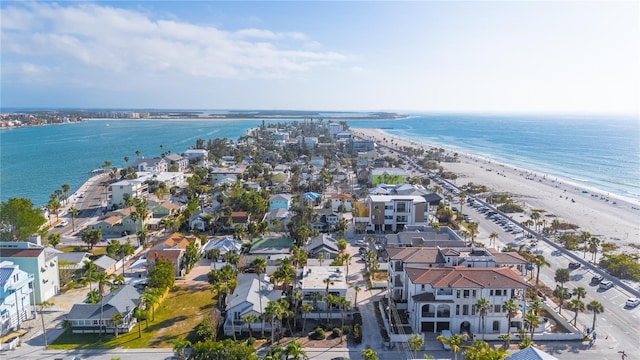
395 212
319 281
38 262
136 188
250 297
445 298
16 297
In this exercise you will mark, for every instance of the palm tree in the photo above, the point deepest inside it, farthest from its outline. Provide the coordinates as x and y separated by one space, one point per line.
140 315
151 297
597 308
416 342
357 289
306 309
493 236
483 307
214 254
295 350
88 272
580 292
250 319
594 242
584 237
512 310
473 231
532 320
577 306
562 276
454 342
103 279
74 212
116 319
539 261
44 305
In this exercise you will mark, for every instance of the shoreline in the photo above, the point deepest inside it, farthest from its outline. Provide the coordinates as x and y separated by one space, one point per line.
617 223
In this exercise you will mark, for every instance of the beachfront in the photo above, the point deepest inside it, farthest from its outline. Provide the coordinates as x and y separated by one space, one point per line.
607 216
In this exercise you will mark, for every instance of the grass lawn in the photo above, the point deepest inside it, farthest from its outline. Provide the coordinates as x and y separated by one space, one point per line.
97 250
177 316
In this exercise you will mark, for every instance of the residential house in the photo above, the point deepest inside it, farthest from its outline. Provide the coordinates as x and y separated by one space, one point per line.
179 162
106 264
135 188
322 244
356 146
224 244
532 353
72 260
200 157
319 281
16 297
401 258
280 201
445 298
277 219
174 255
155 165
250 297
424 236
220 173
341 202
86 318
395 212
39 263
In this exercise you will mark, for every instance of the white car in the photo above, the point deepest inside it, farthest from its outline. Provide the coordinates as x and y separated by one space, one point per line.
63 223
632 302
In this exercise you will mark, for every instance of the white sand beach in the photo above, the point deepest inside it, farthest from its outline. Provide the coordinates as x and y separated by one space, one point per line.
616 220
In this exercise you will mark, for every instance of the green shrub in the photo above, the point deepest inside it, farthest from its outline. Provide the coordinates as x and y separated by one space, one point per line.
318 334
336 332
357 333
346 329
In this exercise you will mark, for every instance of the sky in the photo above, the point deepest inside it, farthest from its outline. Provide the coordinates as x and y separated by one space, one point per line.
417 56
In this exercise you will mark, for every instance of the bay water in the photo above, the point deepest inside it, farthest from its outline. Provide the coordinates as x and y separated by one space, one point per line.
598 152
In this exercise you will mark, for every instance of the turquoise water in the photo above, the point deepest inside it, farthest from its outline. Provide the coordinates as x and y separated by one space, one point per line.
596 152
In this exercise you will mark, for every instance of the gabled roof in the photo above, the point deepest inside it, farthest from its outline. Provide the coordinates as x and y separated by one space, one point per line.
341 196
463 277
247 294
169 254
530 353
104 262
6 270
121 300
322 242
224 244
280 197
112 220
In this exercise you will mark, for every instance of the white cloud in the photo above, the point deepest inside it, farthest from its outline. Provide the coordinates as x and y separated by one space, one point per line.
127 41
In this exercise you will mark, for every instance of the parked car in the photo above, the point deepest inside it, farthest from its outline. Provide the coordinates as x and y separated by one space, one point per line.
574 265
596 279
63 223
632 302
607 284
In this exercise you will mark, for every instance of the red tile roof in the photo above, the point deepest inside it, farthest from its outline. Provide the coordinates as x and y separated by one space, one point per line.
463 277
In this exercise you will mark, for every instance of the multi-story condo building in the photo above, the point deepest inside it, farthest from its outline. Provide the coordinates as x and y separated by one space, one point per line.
395 212
445 298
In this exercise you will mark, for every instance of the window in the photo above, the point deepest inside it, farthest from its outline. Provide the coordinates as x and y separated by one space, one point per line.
473 293
497 308
457 309
401 207
422 287
473 309
496 326
458 294
465 294
490 292
465 309
499 293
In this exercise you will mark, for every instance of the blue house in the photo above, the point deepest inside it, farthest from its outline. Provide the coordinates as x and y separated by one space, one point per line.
280 201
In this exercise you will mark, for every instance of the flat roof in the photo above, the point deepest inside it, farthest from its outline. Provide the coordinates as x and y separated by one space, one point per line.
313 277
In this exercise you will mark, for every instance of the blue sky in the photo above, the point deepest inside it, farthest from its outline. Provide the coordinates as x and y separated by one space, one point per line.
540 57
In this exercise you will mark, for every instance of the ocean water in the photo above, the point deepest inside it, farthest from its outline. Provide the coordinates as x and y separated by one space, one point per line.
595 152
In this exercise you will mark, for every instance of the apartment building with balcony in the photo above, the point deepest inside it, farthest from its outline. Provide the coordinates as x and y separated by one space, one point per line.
37 261
445 298
395 212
